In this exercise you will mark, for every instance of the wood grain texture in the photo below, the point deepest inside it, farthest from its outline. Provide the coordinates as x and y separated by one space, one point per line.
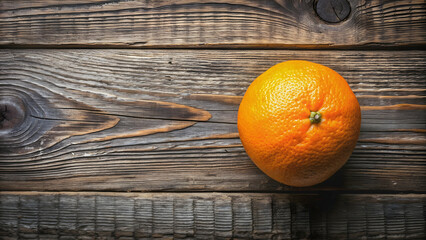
184 23
47 215
165 120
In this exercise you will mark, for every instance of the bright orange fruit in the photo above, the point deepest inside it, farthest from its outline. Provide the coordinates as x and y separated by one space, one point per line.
299 122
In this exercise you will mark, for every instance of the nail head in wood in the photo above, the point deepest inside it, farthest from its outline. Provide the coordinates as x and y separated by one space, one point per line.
332 11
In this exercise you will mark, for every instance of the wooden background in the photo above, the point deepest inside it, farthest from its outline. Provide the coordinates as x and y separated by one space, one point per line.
118 119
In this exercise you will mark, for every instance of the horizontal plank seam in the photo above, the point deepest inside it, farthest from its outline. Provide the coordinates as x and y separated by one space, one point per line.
319 47
355 192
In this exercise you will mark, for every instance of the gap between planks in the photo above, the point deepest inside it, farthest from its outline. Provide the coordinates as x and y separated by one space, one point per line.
209 192
230 47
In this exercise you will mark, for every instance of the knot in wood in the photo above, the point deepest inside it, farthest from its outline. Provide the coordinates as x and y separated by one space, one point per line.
12 113
20 124
332 11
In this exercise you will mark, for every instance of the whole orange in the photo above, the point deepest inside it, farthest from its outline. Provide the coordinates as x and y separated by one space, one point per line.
299 122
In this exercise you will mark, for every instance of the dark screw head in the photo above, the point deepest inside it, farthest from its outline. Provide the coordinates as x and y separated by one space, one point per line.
332 11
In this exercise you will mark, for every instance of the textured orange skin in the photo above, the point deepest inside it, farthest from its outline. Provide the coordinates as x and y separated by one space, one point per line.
274 125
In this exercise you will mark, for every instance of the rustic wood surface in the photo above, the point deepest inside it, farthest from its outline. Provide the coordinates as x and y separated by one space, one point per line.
47 215
156 120
142 143
236 23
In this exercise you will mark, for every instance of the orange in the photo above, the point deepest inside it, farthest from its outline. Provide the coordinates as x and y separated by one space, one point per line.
299 122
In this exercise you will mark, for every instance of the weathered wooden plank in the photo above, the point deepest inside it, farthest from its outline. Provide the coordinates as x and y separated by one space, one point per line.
183 217
85 218
282 217
151 120
29 222
74 215
223 217
243 221
220 23
8 215
218 215
143 217
162 212
262 217
204 219
124 220
48 216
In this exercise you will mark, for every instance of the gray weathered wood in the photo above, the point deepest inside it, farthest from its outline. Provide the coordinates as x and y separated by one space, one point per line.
182 23
57 215
161 120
